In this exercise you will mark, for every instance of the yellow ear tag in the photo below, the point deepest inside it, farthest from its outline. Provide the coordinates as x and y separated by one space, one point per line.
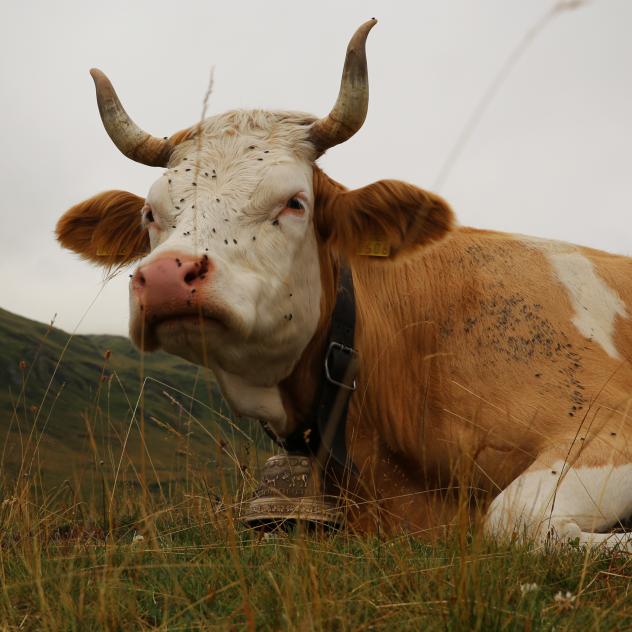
110 253
374 248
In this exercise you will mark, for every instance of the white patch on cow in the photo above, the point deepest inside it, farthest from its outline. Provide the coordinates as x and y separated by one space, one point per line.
568 501
220 197
596 304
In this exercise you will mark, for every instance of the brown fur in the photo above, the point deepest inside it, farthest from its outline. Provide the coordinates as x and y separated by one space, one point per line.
403 215
106 229
182 135
399 213
407 218
471 367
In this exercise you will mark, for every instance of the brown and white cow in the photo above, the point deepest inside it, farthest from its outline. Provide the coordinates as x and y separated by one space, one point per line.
501 356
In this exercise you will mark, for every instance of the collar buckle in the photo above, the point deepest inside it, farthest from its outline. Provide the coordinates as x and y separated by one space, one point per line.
340 358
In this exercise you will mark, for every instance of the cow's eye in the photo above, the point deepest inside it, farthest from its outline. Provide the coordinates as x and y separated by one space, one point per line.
295 204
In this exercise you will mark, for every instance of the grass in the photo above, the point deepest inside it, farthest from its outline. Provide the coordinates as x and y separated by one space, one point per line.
177 563
116 534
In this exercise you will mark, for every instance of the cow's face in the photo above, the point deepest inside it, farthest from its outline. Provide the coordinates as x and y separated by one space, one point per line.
232 280
238 238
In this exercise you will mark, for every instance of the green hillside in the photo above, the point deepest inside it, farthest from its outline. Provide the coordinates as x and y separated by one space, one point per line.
74 399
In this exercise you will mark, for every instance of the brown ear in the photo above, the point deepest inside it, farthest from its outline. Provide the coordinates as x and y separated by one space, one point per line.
388 217
106 229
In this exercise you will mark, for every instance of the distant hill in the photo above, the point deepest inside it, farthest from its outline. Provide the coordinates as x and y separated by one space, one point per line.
74 397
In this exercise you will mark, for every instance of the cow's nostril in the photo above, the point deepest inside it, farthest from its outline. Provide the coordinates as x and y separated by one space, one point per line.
197 270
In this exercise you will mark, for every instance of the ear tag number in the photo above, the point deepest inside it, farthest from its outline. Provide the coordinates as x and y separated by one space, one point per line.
374 248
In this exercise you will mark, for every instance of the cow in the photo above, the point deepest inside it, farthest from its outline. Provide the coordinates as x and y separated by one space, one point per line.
497 359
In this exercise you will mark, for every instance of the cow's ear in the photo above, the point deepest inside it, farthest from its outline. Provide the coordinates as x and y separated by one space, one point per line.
106 229
387 219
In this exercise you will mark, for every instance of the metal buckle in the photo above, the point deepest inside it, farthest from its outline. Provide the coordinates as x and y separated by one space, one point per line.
339 347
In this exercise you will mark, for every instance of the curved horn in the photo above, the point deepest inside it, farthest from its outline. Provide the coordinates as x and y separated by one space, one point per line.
126 135
350 110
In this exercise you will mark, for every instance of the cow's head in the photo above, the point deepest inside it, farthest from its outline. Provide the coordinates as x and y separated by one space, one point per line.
239 236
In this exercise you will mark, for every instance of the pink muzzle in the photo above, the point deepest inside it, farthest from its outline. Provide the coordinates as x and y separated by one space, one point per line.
170 284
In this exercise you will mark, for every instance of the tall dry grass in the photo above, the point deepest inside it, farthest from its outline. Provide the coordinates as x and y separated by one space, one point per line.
175 562
103 551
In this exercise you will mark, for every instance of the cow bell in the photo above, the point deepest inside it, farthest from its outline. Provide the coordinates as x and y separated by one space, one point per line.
291 492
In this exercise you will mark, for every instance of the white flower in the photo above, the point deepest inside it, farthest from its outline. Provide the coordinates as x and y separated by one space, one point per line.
527 588
274 536
138 538
564 600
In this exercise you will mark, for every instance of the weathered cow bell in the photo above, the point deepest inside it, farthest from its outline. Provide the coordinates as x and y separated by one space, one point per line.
290 492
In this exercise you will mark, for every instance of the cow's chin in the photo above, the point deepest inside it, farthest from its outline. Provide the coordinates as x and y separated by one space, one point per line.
186 335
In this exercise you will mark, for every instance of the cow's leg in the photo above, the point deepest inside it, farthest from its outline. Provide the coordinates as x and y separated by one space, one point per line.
565 502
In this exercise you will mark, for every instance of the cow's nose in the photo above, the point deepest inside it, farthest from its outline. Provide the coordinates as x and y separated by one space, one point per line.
170 280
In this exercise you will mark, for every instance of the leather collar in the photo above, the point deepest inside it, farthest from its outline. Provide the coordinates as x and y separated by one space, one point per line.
323 435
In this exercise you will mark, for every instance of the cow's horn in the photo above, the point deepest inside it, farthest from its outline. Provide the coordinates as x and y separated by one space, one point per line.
351 107
126 135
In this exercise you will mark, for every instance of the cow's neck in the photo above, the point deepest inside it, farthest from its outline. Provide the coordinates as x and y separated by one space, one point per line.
378 322
299 390
252 400
393 310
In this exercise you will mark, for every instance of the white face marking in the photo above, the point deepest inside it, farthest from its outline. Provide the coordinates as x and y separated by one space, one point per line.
596 304
565 498
222 197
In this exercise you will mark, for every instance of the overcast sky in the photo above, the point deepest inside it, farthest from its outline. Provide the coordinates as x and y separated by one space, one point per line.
552 155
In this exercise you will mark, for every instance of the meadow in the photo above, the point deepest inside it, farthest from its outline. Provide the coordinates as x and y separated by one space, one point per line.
178 563
119 510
